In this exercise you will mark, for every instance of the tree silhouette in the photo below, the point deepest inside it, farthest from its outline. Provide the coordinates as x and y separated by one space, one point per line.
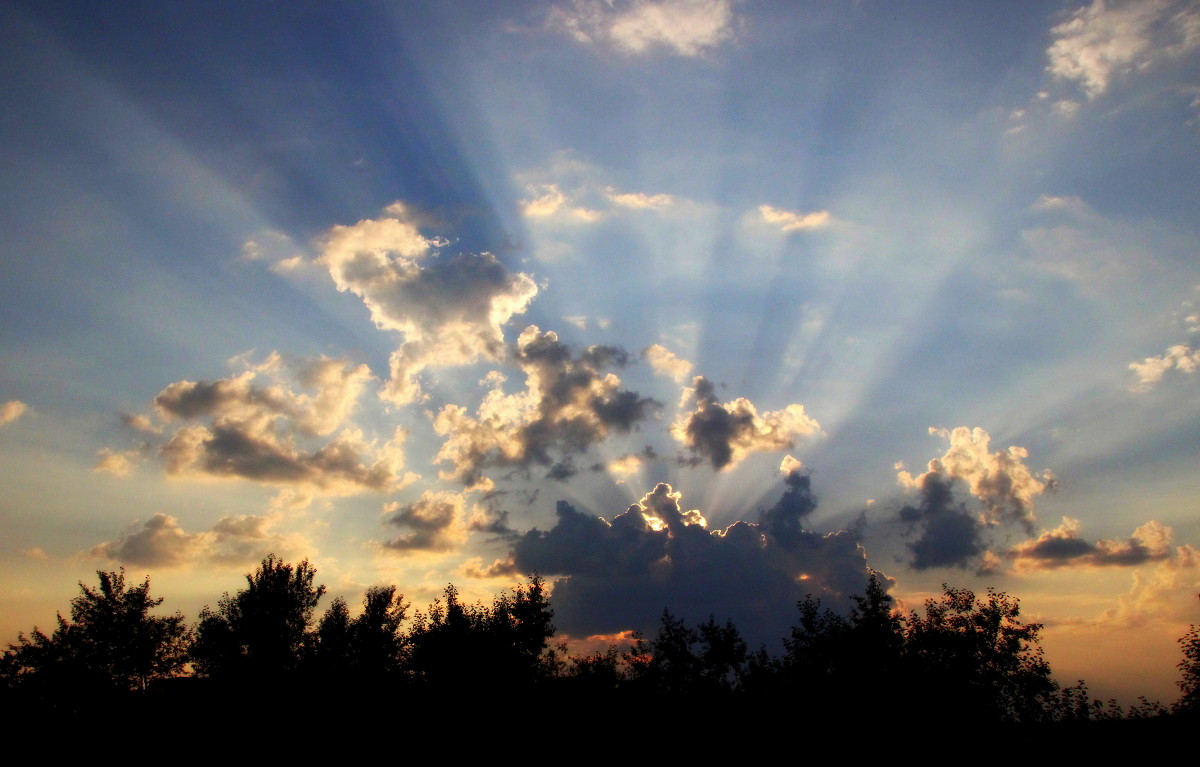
977 660
263 629
455 646
1189 667
110 643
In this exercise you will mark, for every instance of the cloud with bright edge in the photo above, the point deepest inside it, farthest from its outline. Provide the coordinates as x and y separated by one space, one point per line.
619 574
793 221
1063 547
12 410
948 533
724 434
1105 40
569 404
448 310
283 422
438 521
683 27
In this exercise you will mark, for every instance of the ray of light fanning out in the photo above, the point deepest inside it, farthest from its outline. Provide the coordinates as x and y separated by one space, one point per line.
698 305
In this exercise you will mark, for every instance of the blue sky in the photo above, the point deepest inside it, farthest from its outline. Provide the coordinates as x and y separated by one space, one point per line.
381 285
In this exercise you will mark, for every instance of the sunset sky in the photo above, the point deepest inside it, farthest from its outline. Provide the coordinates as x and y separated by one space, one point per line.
443 291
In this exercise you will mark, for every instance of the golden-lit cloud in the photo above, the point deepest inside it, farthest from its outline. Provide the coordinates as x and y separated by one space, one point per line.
12 410
724 434
235 539
666 362
439 521
1152 369
791 220
1063 547
1000 480
284 422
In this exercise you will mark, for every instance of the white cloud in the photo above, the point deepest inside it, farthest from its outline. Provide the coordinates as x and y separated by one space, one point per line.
684 27
1106 40
791 220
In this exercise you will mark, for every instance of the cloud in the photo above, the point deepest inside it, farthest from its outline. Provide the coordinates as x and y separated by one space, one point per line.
1001 480
449 311
724 434
1105 40
950 534
118 463
791 221
621 574
684 27
621 469
639 200
280 422
1152 369
1062 547
438 521
550 202
569 404
665 362
12 410
162 542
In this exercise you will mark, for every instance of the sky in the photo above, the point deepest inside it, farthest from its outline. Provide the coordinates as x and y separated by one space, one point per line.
699 304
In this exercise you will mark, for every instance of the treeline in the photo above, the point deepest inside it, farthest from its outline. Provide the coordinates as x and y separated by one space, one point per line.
963 659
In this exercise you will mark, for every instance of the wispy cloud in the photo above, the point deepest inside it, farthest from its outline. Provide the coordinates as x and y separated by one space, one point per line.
12 410
1106 40
682 27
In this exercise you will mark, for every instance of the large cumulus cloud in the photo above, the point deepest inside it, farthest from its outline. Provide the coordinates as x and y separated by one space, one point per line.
279 422
621 574
948 533
449 310
724 434
569 403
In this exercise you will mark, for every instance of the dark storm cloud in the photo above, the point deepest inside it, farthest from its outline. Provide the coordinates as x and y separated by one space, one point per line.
724 434
621 574
569 404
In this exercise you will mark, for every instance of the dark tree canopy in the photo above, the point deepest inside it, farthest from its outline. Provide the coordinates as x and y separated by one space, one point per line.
263 630
110 642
